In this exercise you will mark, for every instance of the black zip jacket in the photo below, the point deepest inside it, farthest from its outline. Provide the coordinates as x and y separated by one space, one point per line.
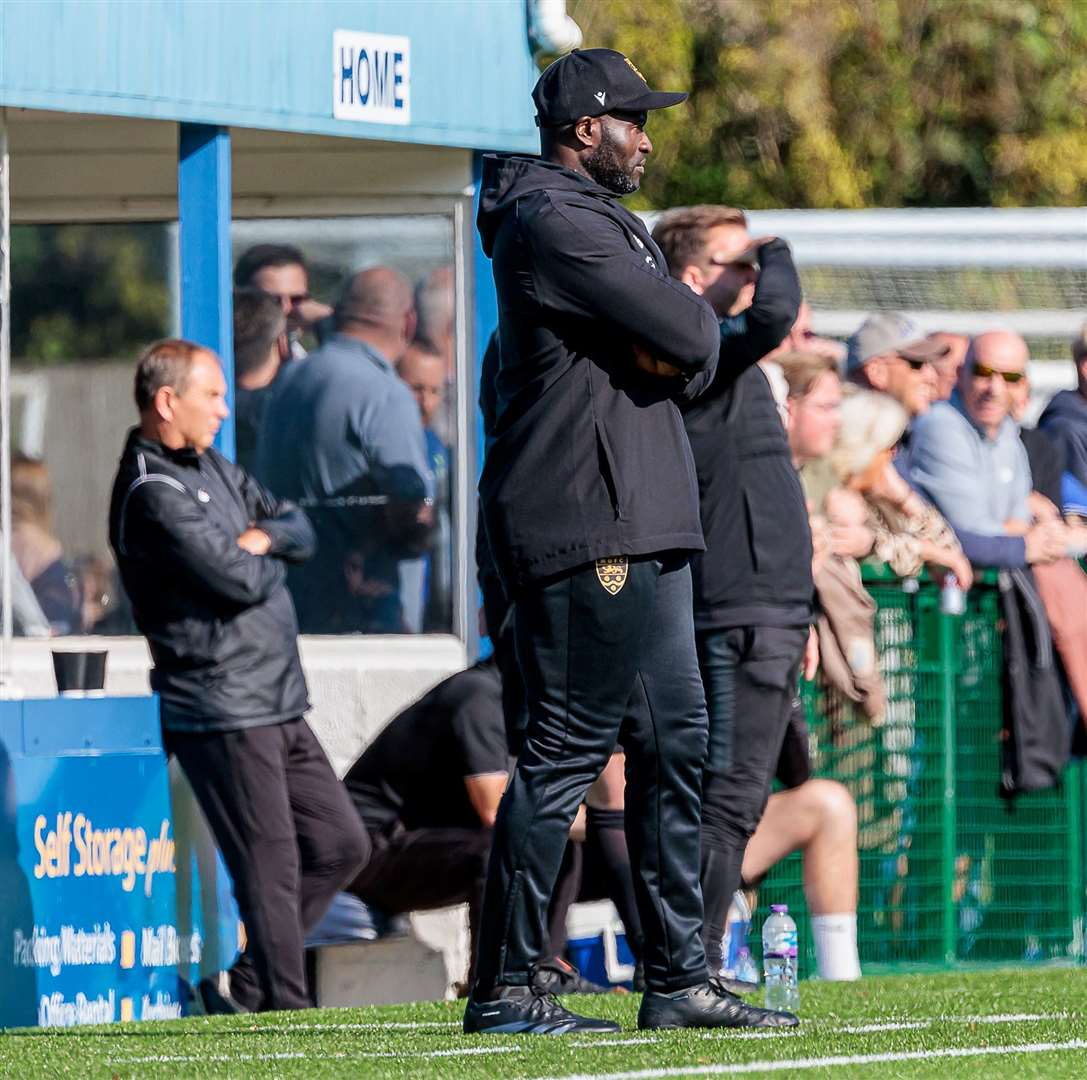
219 622
756 570
589 456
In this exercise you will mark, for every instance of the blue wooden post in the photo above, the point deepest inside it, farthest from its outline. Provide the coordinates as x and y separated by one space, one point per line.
203 198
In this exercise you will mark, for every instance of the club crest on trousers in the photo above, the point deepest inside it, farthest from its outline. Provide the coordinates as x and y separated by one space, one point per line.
611 572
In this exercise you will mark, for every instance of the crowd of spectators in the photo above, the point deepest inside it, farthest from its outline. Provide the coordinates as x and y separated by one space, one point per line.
910 448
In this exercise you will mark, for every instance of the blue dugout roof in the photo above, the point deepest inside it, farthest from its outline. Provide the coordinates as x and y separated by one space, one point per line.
435 72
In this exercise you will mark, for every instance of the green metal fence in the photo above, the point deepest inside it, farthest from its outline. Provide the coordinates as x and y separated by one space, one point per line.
950 873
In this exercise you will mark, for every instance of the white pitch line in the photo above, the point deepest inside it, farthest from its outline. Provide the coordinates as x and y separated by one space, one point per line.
512 1048
800 1064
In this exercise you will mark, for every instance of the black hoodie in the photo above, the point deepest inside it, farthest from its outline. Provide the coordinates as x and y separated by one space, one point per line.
1065 422
589 458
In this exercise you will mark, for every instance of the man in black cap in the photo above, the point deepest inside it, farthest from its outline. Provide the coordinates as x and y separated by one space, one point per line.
591 510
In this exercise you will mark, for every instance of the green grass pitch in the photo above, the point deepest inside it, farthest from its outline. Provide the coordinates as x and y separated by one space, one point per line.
1014 1024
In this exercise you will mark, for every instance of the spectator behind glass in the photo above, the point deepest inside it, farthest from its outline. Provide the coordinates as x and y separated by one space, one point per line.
260 347
423 369
889 353
947 366
435 306
280 270
37 551
909 533
967 457
342 436
1065 417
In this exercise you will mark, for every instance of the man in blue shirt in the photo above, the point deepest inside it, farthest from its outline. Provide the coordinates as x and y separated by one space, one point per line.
423 368
342 435
967 458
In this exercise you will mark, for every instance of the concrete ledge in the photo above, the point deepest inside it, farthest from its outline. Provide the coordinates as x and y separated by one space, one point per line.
357 684
385 972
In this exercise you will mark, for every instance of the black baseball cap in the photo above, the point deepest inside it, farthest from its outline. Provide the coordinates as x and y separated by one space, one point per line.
592 82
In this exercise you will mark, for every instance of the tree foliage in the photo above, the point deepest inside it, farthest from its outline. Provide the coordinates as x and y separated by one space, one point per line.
88 292
853 103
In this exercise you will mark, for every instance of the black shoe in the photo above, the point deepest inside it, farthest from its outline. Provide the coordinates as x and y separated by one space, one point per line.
524 1010
215 994
556 976
707 1005
736 986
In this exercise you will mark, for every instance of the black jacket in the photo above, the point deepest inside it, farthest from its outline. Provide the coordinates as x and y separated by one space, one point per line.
219 622
589 456
756 570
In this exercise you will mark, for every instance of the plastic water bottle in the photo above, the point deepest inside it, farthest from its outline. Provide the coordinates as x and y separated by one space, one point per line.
734 941
952 601
779 956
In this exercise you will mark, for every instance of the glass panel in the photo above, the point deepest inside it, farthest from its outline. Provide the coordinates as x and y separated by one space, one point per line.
354 414
85 299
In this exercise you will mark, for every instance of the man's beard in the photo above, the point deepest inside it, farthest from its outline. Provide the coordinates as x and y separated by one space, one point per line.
605 165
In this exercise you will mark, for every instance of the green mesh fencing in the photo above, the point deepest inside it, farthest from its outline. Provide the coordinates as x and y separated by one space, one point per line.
949 872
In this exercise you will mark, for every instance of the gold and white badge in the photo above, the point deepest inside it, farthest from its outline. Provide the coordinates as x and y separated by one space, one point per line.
611 572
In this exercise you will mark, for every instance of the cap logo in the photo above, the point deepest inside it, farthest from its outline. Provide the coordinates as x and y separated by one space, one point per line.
630 64
600 95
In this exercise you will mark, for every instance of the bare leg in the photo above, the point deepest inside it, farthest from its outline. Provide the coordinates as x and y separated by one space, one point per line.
818 818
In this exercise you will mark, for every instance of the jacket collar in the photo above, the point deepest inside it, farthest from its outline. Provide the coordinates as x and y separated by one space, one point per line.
184 458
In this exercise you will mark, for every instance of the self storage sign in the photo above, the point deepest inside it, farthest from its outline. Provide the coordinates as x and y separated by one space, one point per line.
371 77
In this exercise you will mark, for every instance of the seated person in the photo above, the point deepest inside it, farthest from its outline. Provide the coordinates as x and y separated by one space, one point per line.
967 458
427 790
889 353
909 532
1065 417
37 550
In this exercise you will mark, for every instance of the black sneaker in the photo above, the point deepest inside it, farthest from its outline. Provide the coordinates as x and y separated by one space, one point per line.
556 976
526 1010
707 1005
215 994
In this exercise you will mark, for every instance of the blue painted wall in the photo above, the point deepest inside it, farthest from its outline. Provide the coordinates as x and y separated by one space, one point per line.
251 63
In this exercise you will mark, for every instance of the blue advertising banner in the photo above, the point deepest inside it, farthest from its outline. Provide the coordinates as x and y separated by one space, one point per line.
88 867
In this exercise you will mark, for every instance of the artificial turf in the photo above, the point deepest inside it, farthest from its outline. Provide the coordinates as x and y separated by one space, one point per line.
948 1025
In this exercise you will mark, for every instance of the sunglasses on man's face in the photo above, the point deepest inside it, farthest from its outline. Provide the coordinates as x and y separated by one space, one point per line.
915 364
983 371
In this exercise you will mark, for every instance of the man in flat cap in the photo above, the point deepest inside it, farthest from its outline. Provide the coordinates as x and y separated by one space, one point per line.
590 507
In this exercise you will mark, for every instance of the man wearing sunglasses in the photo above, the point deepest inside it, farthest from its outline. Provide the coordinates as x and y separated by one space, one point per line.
967 457
891 354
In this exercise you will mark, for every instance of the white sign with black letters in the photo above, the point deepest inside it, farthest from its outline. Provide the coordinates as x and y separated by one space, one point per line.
371 77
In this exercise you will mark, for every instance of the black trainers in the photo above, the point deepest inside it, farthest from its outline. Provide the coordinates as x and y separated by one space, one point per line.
215 995
556 976
707 1005
526 1010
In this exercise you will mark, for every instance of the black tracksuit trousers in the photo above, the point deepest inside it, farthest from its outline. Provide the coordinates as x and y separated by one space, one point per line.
290 837
750 675
601 668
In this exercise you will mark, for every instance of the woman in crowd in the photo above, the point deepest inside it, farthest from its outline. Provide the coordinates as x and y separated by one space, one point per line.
37 550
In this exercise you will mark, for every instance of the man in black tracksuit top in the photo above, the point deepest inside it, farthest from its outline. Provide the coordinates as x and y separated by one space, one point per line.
202 550
753 584
589 502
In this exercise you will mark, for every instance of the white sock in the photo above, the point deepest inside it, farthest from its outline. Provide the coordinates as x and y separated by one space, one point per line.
836 947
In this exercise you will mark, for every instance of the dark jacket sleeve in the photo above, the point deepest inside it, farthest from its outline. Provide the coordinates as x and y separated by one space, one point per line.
287 525
168 529
746 338
584 265
1006 552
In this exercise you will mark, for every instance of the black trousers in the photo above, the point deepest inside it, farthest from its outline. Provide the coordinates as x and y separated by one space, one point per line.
289 836
596 661
419 869
750 676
